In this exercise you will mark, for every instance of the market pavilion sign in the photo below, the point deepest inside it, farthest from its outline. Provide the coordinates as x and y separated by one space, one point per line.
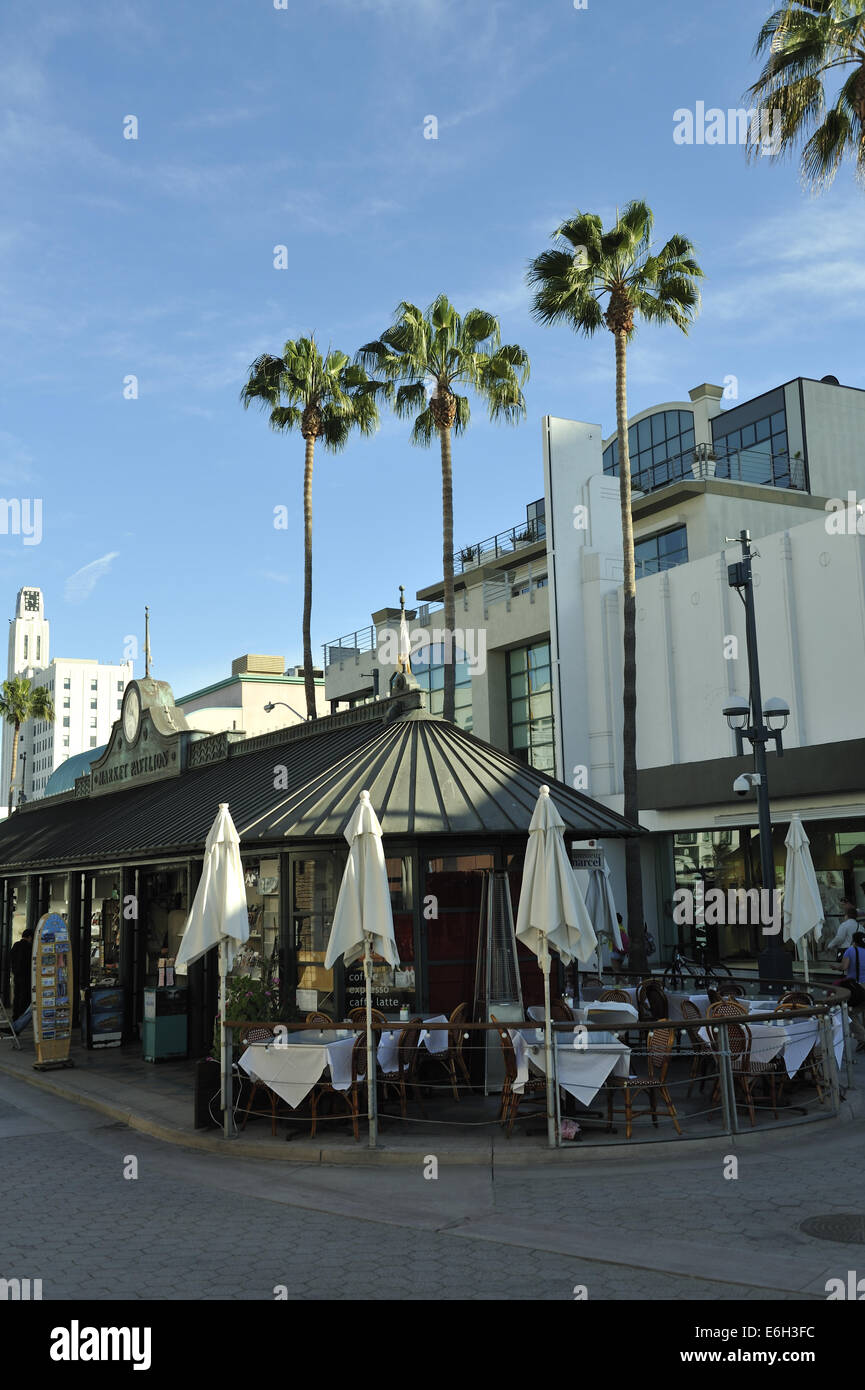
147 743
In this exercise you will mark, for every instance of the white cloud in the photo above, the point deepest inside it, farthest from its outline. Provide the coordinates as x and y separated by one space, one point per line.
80 585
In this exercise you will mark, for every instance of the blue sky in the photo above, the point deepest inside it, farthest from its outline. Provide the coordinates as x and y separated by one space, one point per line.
304 127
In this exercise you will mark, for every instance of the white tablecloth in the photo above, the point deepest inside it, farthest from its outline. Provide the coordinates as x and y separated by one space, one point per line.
794 1038
581 1071
436 1040
292 1065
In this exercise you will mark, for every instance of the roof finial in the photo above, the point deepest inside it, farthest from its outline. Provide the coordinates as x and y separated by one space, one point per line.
404 655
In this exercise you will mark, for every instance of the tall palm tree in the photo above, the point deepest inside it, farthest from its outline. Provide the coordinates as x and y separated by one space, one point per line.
325 397
804 41
19 703
570 283
431 354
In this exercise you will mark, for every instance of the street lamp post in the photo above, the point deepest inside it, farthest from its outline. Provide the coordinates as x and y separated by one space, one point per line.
21 796
758 723
273 704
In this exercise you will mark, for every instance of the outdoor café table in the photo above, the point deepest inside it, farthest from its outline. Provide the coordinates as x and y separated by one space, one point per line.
292 1065
580 1071
434 1041
536 1013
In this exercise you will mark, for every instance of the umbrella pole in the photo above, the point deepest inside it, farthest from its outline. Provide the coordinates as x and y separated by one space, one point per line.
805 959
224 1067
548 1048
371 1087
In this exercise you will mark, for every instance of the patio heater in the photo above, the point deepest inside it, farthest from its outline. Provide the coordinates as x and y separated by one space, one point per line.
498 989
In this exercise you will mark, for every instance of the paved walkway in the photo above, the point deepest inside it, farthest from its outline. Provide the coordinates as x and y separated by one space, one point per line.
191 1225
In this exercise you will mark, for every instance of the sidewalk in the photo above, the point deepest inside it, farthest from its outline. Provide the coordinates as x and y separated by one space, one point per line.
158 1099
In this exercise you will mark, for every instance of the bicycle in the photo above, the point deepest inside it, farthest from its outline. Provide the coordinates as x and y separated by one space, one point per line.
697 974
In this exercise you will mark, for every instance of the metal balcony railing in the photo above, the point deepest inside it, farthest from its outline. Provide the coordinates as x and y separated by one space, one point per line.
504 543
350 647
755 465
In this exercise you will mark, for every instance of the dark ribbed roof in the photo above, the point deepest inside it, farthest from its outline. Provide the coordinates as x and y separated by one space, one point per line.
425 776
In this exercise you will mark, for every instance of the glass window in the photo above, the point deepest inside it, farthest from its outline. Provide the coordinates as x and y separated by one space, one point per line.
779 421
93 704
661 552
67 683
530 720
658 431
748 436
66 721
762 428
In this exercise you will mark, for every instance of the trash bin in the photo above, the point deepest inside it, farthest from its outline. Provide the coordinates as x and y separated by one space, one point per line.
163 1032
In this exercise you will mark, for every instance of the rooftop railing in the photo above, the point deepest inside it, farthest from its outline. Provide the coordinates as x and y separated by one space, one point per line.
503 543
349 647
704 461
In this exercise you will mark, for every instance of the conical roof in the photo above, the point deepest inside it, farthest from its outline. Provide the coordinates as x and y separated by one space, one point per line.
425 776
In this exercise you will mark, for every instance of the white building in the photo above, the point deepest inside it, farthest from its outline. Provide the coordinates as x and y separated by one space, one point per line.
779 466
238 703
87 695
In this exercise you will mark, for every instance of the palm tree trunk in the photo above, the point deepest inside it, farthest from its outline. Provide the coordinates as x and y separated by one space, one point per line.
633 875
14 766
308 682
448 710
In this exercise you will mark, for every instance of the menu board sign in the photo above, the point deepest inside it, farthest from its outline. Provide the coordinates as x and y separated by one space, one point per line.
51 991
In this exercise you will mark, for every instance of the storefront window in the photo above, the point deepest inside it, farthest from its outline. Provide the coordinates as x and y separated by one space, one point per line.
259 958
392 988
105 927
730 859
315 885
163 909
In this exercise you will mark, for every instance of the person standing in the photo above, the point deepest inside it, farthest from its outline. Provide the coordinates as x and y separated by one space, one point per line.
20 960
854 981
847 928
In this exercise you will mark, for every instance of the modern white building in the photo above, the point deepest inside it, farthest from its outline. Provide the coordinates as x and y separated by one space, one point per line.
786 466
87 695
239 702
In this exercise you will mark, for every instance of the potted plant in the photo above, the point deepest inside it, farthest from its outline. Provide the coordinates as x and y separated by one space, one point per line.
469 556
704 462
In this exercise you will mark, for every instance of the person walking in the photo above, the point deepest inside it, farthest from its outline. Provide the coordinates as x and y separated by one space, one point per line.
20 960
854 981
847 928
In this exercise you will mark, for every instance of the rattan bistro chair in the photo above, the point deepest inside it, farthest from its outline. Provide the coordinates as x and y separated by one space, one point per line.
452 1060
325 1087
731 990
358 1017
658 1051
614 996
652 1004
795 997
560 1012
535 1088
746 1071
323 1020
258 1035
726 1008
702 1063
812 1063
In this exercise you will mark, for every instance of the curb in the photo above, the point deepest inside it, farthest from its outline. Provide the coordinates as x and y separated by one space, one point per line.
495 1152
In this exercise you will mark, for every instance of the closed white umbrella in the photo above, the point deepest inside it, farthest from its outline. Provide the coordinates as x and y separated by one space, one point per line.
363 921
803 908
601 908
552 914
218 917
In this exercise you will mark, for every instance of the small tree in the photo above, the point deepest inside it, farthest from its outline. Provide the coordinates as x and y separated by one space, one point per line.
19 703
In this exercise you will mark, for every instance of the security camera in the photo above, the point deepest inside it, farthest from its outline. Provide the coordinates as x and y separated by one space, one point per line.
746 783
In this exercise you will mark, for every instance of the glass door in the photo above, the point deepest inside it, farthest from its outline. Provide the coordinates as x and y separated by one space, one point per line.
315 882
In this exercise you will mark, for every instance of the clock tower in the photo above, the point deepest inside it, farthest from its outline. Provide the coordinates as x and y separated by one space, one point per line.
28 634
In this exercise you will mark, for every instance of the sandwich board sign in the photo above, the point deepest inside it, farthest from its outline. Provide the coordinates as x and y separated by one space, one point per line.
51 993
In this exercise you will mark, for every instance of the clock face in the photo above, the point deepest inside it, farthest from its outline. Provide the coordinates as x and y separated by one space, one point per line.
131 714
31 601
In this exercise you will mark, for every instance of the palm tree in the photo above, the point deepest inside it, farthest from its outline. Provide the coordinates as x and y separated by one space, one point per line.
18 704
660 287
804 41
325 398
431 354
